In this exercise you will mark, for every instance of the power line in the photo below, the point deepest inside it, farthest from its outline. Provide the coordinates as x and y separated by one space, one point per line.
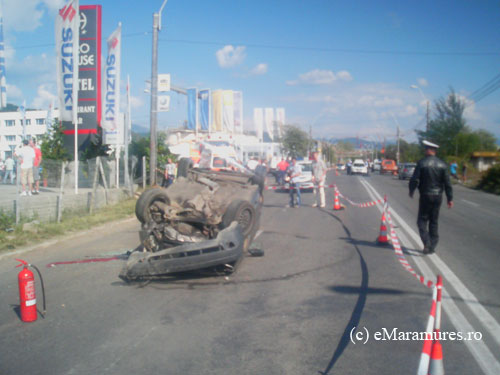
325 49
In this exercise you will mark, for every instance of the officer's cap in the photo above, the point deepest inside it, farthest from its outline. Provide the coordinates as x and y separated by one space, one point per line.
430 144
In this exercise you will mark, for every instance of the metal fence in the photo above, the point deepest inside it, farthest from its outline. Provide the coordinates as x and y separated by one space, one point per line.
61 191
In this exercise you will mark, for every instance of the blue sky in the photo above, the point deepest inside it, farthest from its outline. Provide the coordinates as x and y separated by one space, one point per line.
343 67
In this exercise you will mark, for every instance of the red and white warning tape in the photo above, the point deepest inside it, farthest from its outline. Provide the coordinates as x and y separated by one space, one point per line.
286 188
362 205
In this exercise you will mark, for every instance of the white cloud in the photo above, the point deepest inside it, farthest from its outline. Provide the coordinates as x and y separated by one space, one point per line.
136 102
13 92
28 16
45 96
229 56
320 77
259 69
422 82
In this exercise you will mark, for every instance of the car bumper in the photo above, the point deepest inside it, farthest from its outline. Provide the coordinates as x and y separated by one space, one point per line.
226 248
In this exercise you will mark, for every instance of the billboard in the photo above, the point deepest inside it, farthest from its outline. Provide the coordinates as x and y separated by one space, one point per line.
3 83
205 109
217 111
258 117
163 103
269 121
228 111
111 99
87 76
192 107
280 122
163 82
238 111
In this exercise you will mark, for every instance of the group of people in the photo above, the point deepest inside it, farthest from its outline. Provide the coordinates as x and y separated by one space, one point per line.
29 157
453 171
289 171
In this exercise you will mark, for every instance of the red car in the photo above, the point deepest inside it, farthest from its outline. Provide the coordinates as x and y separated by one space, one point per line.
388 166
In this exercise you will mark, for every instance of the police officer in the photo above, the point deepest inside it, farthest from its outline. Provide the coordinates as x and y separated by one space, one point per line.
431 176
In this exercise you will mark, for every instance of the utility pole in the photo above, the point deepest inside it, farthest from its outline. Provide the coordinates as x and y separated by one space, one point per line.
397 152
427 128
154 97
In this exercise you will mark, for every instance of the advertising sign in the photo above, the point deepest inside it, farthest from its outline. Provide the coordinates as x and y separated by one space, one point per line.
217 110
269 120
111 114
205 109
192 107
238 111
280 121
163 82
258 117
163 103
228 111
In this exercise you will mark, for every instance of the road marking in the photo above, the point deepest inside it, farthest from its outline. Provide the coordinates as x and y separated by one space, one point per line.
469 202
479 350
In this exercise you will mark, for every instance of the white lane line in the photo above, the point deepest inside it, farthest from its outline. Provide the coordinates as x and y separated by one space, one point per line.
479 350
470 299
469 202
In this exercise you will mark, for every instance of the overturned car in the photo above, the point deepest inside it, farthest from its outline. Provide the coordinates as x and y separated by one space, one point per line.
205 219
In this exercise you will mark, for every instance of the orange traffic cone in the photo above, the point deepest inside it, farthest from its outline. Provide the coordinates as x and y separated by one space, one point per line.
382 238
336 204
436 366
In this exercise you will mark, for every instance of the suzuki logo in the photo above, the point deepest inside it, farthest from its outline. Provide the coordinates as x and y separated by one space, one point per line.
67 12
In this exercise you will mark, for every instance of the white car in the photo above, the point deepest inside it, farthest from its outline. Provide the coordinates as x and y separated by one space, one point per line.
305 179
359 166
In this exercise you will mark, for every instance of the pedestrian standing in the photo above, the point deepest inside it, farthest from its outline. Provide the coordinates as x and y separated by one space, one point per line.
294 172
319 177
26 156
464 172
282 167
36 166
431 176
9 170
169 173
2 169
453 169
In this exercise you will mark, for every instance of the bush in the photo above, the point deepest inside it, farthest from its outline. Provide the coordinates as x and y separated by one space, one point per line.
7 220
490 182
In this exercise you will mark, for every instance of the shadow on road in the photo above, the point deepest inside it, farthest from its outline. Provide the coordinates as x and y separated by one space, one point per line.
358 308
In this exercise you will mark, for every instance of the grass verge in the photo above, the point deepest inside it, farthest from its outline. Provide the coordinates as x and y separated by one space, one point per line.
71 222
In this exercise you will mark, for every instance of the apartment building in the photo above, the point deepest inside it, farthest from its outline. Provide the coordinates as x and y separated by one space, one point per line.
11 128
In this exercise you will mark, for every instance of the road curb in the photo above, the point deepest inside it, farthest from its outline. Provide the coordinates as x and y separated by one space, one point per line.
64 237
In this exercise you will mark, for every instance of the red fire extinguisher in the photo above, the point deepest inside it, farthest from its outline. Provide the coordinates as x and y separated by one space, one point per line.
27 295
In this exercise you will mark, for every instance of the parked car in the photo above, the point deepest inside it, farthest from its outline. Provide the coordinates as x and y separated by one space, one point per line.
341 166
406 170
305 178
376 165
388 166
359 167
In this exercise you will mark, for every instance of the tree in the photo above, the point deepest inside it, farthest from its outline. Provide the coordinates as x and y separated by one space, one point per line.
447 124
139 147
295 141
52 143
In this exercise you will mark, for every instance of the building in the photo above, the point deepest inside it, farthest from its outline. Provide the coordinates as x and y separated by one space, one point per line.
11 128
483 160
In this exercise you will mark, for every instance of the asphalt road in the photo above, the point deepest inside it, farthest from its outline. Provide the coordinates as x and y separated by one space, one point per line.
289 312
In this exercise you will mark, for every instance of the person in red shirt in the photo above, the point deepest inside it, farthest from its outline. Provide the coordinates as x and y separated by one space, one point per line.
282 167
36 166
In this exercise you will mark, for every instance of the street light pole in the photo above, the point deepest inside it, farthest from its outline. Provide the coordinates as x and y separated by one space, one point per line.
427 105
154 97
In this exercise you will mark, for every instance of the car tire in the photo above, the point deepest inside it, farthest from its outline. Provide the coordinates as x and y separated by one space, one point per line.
185 164
242 212
146 200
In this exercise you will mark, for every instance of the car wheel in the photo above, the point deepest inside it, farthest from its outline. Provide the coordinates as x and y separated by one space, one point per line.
185 164
243 213
146 200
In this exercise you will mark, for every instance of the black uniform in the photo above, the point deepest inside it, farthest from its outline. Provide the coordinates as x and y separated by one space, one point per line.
431 176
